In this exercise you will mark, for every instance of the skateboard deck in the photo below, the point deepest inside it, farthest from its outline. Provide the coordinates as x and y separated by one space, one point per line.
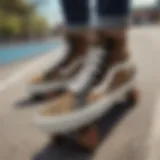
81 144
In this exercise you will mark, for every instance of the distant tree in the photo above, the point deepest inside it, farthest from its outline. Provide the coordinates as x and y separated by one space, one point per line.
11 26
15 6
37 25
17 17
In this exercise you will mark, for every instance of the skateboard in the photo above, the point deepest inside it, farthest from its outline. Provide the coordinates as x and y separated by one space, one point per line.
81 143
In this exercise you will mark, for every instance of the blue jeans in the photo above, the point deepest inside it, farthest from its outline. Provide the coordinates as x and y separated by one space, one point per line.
110 13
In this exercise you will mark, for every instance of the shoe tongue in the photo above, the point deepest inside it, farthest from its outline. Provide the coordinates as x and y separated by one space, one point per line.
83 81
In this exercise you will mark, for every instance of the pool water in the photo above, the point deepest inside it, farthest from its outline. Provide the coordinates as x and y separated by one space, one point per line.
23 51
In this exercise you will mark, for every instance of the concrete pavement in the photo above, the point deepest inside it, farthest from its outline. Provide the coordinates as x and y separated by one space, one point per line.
19 139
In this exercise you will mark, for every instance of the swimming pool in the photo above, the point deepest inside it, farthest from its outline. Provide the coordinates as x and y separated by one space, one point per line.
23 51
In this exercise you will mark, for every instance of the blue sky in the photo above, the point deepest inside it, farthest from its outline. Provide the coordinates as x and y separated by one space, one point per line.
51 10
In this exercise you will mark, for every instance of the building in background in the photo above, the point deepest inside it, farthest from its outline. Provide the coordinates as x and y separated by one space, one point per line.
147 14
158 5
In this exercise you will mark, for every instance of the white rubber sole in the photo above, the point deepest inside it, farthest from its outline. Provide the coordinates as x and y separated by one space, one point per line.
61 124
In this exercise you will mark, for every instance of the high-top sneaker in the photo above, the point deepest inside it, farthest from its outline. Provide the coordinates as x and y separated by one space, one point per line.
55 77
115 42
106 77
81 115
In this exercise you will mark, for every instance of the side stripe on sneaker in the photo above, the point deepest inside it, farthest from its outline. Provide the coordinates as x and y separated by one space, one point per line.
88 72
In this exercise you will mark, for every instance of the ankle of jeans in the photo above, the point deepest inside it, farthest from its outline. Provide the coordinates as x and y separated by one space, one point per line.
115 43
76 28
113 22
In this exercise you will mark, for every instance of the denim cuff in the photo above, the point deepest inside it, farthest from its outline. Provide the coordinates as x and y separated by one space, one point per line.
109 22
114 22
76 27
